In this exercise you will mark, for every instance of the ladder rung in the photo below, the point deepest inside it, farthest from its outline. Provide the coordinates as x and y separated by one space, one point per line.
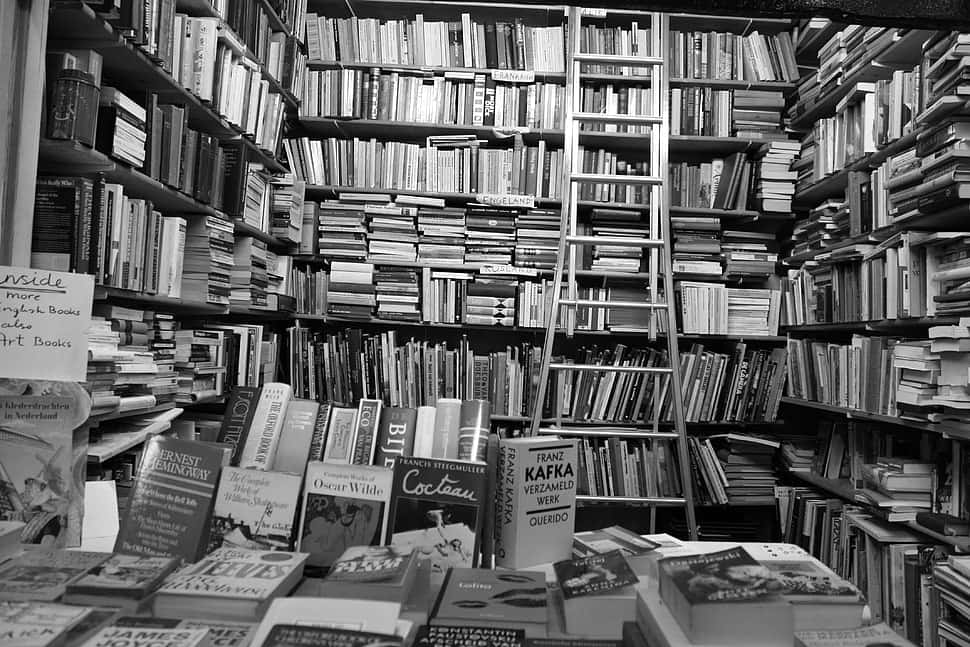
559 366
618 59
615 179
633 305
616 119
615 242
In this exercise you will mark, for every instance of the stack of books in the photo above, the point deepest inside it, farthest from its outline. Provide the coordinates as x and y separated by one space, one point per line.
918 368
101 373
827 223
756 114
748 463
774 180
537 238
616 223
490 302
287 196
392 233
696 245
342 231
200 358
207 268
441 235
899 486
749 253
398 294
490 235
351 291
121 128
904 178
161 343
249 279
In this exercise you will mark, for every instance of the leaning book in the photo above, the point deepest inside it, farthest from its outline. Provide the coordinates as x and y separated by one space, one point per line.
229 584
254 509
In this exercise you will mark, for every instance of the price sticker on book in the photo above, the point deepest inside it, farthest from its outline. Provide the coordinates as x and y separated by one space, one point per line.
514 76
507 200
44 319
508 269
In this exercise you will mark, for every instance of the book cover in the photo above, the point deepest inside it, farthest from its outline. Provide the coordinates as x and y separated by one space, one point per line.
37 624
877 635
168 513
131 576
437 509
434 636
395 435
44 574
221 633
383 564
254 509
340 435
319 439
473 596
593 574
238 419
43 452
234 573
300 635
343 506
535 501
120 636
726 575
296 437
365 436
264 434
332 613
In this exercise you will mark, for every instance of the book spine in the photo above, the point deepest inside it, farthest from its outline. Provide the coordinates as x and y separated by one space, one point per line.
368 418
264 434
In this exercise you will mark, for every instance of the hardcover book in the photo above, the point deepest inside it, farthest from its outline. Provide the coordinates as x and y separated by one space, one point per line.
877 635
371 572
171 470
395 435
446 427
437 509
340 436
593 574
121 636
343 506
535 501
332 613
297 635
38 624
238 419
229 584
473 425
221 633
44 574
264 434
296 437
475 597
433 636
122 581
365 437
254 509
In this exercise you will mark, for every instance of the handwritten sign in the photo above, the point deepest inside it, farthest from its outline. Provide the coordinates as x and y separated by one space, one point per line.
507 200
508 269
514 76
44 318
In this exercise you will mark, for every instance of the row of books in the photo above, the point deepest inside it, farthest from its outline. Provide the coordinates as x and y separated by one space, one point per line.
733 469
443 164
715 309
455 98
466 42
627 467
708 112
722 183
719 55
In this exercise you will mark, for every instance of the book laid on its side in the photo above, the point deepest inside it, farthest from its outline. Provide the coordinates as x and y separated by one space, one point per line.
437 509
725 597
598 594
333 613
221 633
44 574
238 419
122 581
39 624
289 635
171 470
229 584
535 501
435 636
371 573
475 597
296 437
254 509
264 433
877 635
632 546
343 506
115 635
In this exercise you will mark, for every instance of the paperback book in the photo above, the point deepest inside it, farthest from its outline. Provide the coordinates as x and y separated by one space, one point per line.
475 597
44 574
254 509
297 635
371 572
122 581
37 624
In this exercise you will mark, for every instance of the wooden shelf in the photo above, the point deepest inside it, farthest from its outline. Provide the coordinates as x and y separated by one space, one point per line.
438 70
858 414
723 214
876 325
841 488
115 415
415 131
735 24
715 146
183 306
316 191
731 84
242 228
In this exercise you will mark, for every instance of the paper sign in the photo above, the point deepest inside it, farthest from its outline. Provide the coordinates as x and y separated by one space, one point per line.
514 76
594 12
508 269
44 318
507 200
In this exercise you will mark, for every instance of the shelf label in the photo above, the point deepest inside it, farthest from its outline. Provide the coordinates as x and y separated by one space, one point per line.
507 200
594 12
44 319
514 76
508 269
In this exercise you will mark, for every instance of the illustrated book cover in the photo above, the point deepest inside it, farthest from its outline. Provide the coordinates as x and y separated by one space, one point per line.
125 580
472 597
300 635
594 574
437 509
38 624
44 574
254 509
343 506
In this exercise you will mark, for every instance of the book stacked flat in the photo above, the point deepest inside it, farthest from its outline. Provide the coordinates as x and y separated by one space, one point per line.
748 466
490 235
101 373
398 293
490 302
256 204
248 278
696 245
749 253
200 360
899 486
774 180
135 363
756 114
904 178
351 291
121 127
617 223
920 375
392 233
441 235
826 223
279 293
287 196
342 232
161 343
207 268
537 238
